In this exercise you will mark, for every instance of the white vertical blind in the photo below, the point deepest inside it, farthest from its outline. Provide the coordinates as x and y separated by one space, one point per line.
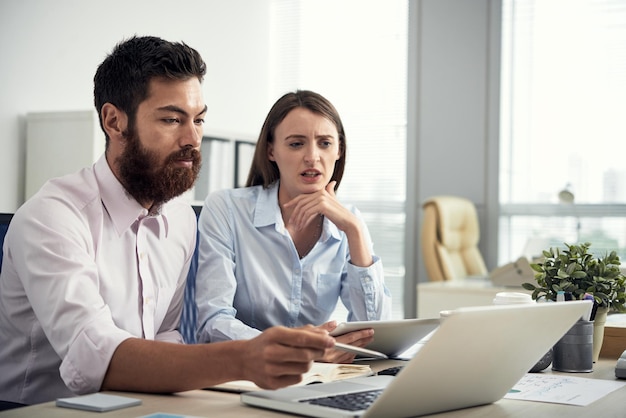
354 52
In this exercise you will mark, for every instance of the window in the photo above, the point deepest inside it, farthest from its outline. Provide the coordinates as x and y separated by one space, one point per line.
562 126
354 52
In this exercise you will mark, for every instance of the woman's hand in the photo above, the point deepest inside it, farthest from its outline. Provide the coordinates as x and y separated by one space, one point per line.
359 338
307 207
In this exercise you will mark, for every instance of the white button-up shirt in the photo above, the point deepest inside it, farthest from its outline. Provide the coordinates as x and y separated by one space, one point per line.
86 267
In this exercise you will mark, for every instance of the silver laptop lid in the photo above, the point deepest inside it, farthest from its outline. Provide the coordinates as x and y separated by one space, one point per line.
474 357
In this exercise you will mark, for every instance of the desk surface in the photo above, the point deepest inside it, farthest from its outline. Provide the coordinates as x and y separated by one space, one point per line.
205 403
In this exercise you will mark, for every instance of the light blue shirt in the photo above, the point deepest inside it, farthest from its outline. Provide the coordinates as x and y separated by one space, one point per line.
250 276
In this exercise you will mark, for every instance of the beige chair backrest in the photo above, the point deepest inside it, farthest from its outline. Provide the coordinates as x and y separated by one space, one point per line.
450 236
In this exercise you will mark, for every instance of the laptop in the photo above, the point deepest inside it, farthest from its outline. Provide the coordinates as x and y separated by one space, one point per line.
475 356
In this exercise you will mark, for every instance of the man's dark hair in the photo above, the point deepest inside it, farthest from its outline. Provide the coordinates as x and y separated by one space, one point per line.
124 76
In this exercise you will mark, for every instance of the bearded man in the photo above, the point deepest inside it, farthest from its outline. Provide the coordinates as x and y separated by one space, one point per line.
94 267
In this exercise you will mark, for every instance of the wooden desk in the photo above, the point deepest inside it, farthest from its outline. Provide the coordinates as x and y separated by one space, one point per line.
433 297
204 403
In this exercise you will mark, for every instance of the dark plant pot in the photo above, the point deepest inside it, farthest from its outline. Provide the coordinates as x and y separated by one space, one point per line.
574 351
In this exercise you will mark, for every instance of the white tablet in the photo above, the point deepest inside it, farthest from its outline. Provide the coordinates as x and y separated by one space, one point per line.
391 337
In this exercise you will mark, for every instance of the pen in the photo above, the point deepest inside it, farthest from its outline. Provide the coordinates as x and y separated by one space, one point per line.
359 350
594 308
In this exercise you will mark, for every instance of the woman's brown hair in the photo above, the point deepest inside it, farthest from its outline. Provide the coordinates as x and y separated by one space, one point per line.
265 172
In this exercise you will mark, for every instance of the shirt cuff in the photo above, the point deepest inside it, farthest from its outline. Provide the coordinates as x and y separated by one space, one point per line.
368 277
88 357
369 288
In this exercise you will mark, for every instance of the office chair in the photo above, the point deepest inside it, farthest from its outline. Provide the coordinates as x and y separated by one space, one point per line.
450 236
5 220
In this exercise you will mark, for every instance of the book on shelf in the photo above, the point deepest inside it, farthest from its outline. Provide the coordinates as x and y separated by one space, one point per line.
319 373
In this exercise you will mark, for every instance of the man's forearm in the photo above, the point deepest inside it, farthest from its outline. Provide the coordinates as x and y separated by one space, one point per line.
161 367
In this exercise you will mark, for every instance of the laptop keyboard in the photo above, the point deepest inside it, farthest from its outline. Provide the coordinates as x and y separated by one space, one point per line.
354 401
392 371
349 401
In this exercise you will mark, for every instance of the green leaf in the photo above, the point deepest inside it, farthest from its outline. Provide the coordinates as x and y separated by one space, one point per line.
537 267
574 269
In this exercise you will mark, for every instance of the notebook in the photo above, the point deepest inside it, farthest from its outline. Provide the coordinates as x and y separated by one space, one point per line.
473 358
98 402
318 373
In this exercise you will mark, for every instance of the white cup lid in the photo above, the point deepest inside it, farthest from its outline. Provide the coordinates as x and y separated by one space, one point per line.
509 298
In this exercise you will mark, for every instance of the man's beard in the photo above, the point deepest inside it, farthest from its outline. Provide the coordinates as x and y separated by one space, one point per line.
149 180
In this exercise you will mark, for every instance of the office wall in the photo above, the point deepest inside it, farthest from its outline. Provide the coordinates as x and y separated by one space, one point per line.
454 67
50 51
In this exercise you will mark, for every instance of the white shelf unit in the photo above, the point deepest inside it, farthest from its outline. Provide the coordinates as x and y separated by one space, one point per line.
59 143
226 161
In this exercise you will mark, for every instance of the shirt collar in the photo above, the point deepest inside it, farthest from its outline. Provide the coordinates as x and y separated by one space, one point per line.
329 230
267 210
123 209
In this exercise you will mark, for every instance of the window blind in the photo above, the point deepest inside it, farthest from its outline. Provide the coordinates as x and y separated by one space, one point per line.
354 52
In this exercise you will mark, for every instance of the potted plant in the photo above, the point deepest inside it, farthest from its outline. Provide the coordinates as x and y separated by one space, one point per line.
577 272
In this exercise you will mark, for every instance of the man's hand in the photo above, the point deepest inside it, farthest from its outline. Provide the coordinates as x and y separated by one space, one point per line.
279 356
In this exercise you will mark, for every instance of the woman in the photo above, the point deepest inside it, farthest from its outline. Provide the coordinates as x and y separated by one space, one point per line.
283 250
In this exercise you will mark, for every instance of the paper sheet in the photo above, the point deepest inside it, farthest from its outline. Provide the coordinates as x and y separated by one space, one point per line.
561 389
